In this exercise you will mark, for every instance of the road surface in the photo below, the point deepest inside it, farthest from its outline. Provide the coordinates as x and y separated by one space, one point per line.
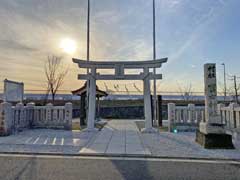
30 167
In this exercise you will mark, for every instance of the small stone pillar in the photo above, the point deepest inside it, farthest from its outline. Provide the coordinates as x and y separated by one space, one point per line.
171 116
30 114
68 116
6 123
211 134
147 104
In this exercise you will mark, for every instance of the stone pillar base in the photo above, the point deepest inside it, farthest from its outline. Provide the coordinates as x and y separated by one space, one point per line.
149 130
214 141
211 128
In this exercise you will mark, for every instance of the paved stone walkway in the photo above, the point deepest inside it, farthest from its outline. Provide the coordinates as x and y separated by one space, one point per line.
117 137
45 140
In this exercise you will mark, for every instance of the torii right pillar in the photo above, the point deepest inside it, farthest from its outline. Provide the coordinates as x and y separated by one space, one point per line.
211 133
147 104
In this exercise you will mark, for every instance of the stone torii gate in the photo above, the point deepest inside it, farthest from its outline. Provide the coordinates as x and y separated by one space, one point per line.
119 74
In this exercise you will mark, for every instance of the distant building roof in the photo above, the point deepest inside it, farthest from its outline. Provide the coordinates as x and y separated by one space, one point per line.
83 90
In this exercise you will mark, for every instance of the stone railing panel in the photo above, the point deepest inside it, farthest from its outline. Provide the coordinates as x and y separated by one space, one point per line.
20 117
180 116
49 116
230 116
184 118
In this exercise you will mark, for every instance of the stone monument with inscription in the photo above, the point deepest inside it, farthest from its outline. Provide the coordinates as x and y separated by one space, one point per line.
211 133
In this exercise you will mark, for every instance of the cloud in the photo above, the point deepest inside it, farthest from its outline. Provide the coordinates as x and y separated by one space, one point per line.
120 30
193 66
201 23
15 46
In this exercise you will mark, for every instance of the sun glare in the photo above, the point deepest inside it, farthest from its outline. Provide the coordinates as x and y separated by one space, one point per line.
68 45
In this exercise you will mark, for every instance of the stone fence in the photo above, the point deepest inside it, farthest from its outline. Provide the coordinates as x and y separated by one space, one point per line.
189 117
21 117
184 118
230 116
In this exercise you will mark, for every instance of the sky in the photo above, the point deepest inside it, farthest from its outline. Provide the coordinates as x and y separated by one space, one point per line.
190 33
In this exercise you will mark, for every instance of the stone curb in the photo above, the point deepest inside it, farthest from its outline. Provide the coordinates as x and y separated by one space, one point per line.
117 156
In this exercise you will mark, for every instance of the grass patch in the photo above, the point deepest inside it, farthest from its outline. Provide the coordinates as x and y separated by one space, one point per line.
141 125
163 129
99 126
76 126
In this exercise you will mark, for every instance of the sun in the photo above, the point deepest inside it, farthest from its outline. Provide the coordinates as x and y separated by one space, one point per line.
68 45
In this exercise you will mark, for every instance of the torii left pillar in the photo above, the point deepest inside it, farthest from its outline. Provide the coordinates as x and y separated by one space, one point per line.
92 101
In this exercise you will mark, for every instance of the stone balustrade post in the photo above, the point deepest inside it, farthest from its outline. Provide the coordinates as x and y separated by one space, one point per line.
191 108
20 116
55 117
232 120
68 116
171 116
178 116
49 109
30 114
219 111
219 107
5 119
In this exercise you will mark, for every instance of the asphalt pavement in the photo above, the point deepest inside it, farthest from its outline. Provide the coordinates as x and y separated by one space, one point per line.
31 167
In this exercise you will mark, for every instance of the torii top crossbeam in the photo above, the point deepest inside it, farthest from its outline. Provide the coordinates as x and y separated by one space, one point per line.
127 64
119 67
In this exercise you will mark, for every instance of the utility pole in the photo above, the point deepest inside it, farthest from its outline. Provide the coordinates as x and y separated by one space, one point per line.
225 83
88 32
154 70
235 88
88 49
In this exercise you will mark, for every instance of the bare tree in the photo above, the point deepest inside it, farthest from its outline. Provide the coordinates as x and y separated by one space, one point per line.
55 74
186 92
135 86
